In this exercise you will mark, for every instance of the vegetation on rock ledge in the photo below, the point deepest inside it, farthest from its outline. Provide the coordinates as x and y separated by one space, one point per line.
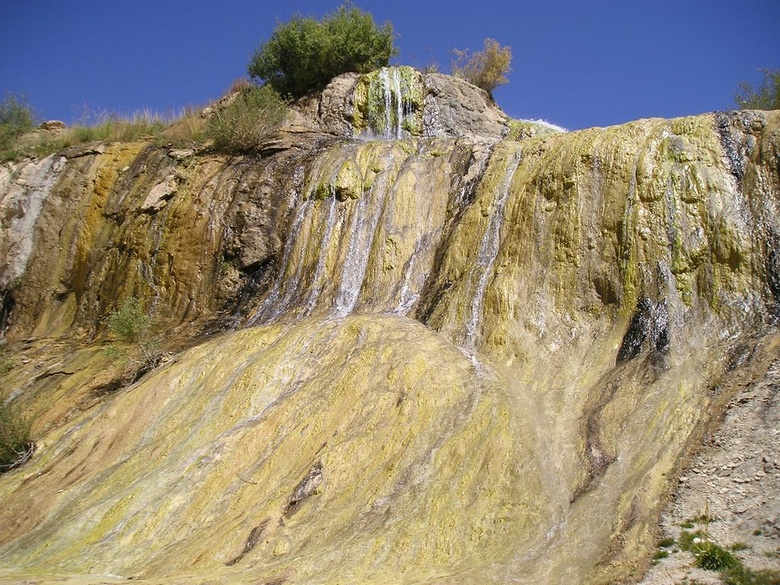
16 445
486 69
305 54
764 97
250 116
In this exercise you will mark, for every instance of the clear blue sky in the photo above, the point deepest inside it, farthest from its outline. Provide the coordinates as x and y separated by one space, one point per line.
577 63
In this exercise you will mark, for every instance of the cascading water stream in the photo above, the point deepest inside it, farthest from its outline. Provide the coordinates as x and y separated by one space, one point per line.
488 250
414 278
408 296
397 104
317 283
364 225
285 286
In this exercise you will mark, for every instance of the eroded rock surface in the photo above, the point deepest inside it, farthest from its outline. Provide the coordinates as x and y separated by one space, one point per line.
439 358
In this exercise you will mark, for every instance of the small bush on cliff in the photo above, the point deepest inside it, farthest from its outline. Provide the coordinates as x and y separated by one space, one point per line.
304 54
132 325
129 323
16 118
486 69
764 97
247 120
16 445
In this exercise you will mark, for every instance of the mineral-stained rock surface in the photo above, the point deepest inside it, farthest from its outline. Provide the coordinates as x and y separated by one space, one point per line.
396 347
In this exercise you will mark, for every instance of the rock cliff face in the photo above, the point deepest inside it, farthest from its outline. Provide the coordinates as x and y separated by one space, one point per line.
403 349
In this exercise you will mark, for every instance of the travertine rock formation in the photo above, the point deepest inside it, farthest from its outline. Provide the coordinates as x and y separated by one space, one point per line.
402 349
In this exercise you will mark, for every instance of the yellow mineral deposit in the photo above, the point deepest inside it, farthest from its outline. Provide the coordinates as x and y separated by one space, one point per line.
433 359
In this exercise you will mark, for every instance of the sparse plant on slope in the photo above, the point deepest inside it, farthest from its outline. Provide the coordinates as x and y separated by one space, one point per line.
131 325
304 54
712 557
764 97
486 69
16 445
102 126
16 118
247 119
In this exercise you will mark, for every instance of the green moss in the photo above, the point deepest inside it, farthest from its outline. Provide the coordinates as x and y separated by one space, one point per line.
371 111
349 181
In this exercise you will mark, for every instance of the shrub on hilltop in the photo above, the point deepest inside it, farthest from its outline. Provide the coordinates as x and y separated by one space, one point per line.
16 118
304 54
764 97
486 69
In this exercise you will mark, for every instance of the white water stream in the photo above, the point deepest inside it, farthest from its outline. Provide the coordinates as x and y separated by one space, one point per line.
397 105
486 257
361 238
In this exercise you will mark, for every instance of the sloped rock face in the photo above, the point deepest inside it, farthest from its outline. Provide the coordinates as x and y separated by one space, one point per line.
433 359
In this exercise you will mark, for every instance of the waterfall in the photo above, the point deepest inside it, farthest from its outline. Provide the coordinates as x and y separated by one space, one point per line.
333 259
286 285
488 250
363 228
407 296
414 277
319 272
397 105
390 105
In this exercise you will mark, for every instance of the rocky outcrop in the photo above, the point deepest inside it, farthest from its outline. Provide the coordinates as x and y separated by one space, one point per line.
401 102
423 359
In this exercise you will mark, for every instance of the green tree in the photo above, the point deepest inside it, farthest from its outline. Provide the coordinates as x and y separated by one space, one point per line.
16 118
764 97
304 54
486 69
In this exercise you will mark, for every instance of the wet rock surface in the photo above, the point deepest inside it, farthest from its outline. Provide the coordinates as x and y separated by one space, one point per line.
426 359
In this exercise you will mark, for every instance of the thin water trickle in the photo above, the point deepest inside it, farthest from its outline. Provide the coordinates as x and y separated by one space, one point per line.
414 277
488 251
363 230
317 283
408 296
285 285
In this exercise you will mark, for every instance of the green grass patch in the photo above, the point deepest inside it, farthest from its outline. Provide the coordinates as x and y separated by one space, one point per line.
101 127
711 557
660 554
741 575
16 444
246 122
